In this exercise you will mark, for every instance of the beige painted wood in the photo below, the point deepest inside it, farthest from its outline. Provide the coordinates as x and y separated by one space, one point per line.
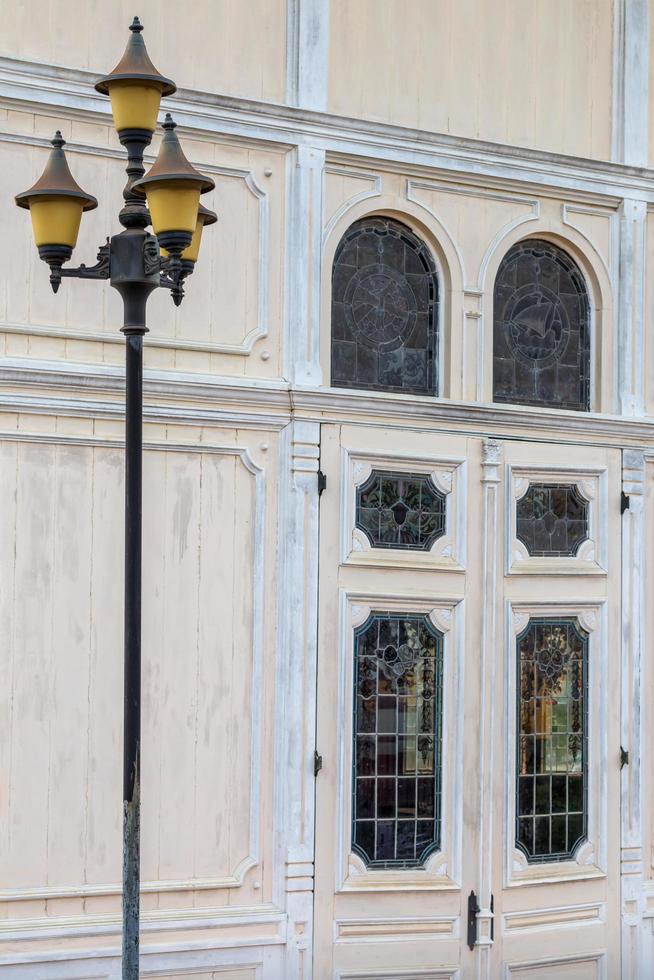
209 548
210 49
583 902
370 923
529 74
232 312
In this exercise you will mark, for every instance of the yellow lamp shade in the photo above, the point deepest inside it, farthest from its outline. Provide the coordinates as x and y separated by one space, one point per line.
173 205
190 254
134 105
135 87
173 187
56 201
205 217
56 220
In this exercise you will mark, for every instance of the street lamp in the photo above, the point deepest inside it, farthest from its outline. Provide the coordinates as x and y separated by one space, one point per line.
135 263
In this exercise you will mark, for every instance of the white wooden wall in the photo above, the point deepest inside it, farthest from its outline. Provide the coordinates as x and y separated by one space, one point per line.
290 108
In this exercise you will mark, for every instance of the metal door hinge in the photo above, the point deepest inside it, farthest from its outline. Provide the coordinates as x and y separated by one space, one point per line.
473 908
624 758
317 762
322 482
473 912
624 502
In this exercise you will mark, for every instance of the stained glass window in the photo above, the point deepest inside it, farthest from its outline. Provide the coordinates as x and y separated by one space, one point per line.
541 345
400 510
552 739
384 310
396 806
552 520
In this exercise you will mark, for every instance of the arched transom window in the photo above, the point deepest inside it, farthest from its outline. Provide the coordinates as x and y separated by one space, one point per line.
384 310
541 345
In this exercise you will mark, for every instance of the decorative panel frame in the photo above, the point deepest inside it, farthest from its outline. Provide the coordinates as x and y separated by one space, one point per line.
591 557
448 475
590 860
442 870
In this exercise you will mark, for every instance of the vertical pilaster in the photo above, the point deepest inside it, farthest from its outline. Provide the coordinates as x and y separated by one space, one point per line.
307 51
295 717
630 129
631 730
491 460
303 266
631 284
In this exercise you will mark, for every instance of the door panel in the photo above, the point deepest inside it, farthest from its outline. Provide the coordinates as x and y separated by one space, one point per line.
448 563
562 635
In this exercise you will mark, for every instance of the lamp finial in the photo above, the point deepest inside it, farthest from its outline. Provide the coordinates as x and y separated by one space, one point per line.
136 26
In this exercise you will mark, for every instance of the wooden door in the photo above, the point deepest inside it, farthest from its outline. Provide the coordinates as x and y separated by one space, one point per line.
556 784
438 583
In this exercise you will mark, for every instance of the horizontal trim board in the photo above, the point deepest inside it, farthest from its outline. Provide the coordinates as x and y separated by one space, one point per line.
348 930
112 952
153 921
45 87
571 915
258 403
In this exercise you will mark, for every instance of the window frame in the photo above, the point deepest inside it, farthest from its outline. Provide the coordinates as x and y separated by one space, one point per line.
442 869
590 857
405 222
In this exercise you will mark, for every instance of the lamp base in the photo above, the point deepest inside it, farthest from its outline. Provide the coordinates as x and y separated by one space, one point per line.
55 256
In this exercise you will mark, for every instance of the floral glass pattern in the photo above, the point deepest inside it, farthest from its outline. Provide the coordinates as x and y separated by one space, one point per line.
396 806
551 786
400 510
541 333
384 310
552 520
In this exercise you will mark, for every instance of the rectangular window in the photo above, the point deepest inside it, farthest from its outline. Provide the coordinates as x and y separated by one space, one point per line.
398 708
551 783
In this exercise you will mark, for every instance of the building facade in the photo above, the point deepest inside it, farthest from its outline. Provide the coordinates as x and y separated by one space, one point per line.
398 500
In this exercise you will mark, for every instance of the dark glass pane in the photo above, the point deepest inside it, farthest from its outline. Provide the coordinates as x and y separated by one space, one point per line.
559 802
385 849
525 795
365 797
551 778
406 839
400 510
541 333
364 835
365 755
552 520
384 310
397 766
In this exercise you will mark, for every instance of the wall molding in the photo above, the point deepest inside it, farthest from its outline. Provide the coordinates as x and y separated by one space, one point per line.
44 88
259 403
250 336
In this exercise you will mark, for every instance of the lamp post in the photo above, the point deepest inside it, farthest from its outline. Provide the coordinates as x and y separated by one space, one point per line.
135 262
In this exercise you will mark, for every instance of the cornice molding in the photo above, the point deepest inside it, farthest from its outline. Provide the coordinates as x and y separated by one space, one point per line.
44 88
51 388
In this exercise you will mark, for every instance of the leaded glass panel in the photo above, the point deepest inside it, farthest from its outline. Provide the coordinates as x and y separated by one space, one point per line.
552 520
541 345
384 310
551 781
396 805
400 510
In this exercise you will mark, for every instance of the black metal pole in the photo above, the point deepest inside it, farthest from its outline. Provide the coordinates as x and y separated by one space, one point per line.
132 675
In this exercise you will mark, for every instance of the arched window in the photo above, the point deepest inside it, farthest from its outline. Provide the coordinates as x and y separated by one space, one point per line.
384 310
541 344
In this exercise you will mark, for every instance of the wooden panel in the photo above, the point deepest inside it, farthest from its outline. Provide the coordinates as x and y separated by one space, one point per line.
62 524
233 300
212 49
529 74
